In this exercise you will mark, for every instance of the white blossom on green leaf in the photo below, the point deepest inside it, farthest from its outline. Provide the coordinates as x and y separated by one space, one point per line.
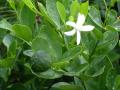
78 27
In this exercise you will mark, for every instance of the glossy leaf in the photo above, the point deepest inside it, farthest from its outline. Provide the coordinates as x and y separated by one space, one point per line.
96 67
12 4
110 78
23 32
7 40
27 17
7 63
94 14
40 44
111 17
74 8
62 11
117 83
104 45
5 25
30 4
52 12
4 73
49 74
65 86
84 8
116 25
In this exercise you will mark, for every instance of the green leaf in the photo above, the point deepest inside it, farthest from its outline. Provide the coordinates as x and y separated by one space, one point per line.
12 48
109 41
98 34
7 62
66 3
4 73
84 8
111 17
44 13
113 3
28 53
54 41
49 74
52 12
117 83
119 43
30 4
89 42
5 25
61 11
110 28
110 78
12 4
45 43
113 55
96 67
2 34
118 5
66 58
75 67
27 17
74 8
16 87
10 42
78 81
40 44
95 16
72 53
23 32
96 83
7 41
65 86
116 25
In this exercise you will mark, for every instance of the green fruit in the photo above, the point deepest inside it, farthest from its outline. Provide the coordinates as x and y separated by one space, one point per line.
41 61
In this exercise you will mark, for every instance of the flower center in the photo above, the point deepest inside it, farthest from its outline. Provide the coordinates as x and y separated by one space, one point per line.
77 28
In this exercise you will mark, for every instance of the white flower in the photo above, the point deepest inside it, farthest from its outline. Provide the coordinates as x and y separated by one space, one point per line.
77 27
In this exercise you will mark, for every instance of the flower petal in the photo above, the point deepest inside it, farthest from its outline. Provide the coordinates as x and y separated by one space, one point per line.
87 28
70 33
80 19
70 23
78 37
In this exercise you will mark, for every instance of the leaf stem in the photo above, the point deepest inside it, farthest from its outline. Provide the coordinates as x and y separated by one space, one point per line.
107 10
110 61
65 40
105 5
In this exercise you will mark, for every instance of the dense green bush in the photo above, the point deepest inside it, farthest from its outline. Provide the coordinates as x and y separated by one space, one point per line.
40 51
